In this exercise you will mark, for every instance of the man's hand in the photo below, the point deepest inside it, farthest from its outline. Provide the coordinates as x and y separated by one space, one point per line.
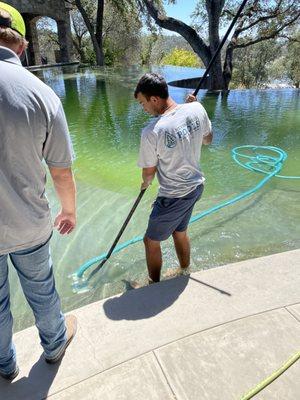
65 222
148 175
65 188
145 185
207 139
190 98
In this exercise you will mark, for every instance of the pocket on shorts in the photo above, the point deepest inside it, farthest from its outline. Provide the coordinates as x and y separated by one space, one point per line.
167 201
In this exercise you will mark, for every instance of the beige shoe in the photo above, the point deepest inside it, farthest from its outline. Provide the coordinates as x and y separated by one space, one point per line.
71 326
11 376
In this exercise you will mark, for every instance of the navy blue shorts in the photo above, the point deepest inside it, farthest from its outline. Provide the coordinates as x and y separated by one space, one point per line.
171 214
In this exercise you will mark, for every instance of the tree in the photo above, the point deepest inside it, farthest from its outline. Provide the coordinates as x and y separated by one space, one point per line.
94 23
47 38
261 20
252 64
285 67
292 60
92 12
155 47
181 57
147 44
121 40
80 31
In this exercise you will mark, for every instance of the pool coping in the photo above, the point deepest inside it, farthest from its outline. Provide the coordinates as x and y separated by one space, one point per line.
130 344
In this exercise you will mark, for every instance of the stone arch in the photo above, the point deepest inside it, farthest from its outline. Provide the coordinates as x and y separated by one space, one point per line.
59 10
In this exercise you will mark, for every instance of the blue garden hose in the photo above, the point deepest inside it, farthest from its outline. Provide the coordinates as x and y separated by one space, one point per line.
267 160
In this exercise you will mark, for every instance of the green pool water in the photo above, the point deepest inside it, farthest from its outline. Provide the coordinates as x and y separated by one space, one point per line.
105 123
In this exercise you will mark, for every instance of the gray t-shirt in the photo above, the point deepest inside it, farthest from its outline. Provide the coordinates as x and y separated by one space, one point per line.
172 142
33 128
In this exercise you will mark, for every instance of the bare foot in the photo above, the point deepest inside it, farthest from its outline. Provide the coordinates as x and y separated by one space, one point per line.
133 284
173 272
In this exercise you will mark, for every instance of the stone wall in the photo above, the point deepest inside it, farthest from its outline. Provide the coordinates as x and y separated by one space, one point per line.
55 9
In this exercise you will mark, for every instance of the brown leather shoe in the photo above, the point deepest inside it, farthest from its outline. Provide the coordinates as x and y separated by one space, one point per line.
71 325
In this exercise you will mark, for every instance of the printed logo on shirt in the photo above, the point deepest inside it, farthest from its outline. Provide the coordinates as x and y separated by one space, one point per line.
170 140
188 128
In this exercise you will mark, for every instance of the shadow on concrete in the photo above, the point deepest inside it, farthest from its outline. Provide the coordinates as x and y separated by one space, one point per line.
34 387
211 286
149 301
145 302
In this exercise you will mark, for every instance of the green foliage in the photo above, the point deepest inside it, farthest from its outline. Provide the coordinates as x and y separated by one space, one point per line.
155 46
181 57
292 61
147 46
120 32
286 66
268 62
121 35
251 64
90 55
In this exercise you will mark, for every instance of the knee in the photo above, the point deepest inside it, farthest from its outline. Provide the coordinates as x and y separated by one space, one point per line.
150 244
180 235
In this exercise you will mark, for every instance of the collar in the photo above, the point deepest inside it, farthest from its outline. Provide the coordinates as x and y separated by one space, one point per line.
9 56
170 112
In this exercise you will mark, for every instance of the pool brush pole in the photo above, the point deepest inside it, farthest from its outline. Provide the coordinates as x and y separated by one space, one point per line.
109 253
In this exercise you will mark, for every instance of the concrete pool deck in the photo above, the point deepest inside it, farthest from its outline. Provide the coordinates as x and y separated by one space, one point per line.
212 335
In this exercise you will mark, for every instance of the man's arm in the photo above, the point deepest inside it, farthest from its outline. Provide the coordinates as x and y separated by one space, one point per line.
64 184
148 175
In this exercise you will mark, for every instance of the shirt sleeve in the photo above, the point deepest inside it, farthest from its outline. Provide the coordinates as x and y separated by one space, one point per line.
58 150
148 150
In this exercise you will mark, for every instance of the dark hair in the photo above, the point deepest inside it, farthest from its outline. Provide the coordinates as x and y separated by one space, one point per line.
152 85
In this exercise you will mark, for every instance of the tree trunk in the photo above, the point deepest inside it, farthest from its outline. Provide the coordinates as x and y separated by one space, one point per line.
214 9
99 33
227 68
98 46
78 46
216 79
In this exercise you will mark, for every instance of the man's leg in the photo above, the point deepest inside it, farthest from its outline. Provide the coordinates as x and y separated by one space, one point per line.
154 258
7 350
34 267
180 235
182 247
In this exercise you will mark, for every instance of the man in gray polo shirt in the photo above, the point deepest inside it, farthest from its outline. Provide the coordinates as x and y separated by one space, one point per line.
170 147
33 128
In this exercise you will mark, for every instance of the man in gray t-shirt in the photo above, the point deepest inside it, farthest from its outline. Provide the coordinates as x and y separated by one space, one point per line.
170 148
33 131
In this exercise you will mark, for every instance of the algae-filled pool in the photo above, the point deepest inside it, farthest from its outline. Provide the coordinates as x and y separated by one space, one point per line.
105 123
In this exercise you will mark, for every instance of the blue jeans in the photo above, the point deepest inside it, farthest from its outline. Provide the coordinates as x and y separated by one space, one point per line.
34 268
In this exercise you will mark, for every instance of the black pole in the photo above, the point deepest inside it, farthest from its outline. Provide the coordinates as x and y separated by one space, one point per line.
220 46
109 253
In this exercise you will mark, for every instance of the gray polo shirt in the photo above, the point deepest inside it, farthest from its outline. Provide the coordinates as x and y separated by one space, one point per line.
172 143
33 128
